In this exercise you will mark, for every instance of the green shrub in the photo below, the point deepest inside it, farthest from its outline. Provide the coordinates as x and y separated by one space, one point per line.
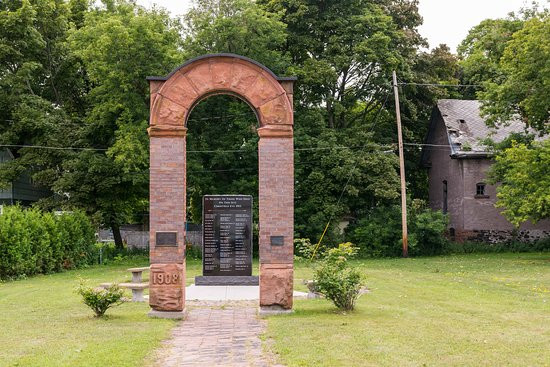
379 234
427 235
336 280
107 252
192 252
78 239
305 250
100 299
33 242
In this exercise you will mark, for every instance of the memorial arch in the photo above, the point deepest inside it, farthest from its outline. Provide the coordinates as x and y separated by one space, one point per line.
172 99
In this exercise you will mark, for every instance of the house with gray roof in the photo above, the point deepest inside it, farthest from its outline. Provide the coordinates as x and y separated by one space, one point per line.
22 190
457 161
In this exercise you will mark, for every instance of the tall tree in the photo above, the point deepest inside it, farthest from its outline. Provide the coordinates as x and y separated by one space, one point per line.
235 26
525 84
41 87
119 44
343 53
480 52
522 171
74 76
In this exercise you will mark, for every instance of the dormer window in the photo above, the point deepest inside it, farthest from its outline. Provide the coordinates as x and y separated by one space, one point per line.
462 121
480 190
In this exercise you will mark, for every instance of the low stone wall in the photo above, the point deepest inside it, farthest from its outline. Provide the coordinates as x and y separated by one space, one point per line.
493 236
194 238
135 238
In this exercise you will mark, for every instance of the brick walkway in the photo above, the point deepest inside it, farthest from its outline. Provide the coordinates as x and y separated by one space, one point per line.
216 336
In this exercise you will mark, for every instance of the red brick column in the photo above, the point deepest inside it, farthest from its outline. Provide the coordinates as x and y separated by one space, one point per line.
167 218
276 191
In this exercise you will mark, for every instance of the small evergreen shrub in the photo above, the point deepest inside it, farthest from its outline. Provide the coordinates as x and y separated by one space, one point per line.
336 280
34 242
101 299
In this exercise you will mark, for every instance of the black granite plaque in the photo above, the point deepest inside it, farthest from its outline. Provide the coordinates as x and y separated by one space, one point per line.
227 235
166 239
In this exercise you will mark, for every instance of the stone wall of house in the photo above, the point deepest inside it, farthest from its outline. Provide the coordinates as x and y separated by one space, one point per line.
443 168
483 221
500 236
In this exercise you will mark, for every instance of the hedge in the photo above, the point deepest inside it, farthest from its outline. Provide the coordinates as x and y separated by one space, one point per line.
35 242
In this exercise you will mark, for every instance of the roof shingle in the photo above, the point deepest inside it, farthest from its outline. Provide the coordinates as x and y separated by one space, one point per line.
467 129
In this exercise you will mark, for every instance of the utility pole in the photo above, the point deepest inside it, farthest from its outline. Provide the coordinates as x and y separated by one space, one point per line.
401 168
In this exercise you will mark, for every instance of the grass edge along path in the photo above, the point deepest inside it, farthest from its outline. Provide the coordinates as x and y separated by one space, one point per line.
465 310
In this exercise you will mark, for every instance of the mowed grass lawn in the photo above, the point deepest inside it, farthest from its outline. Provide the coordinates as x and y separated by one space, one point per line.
487 310
44 323
468 310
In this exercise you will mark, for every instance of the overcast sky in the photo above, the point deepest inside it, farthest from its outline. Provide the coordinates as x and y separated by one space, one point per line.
445 21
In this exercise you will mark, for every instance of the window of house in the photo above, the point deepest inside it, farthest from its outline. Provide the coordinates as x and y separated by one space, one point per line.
480 190
445 197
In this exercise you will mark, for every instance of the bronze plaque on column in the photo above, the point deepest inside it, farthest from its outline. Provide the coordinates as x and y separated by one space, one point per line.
166 239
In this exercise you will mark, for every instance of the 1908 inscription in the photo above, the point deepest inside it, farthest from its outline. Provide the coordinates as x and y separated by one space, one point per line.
227 235
165 278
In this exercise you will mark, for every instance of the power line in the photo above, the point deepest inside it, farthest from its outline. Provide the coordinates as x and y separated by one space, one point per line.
337 147
427 145
300 164
442 85
194 151
48 147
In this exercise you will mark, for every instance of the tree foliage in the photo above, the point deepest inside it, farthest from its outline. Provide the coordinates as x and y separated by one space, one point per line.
72 74
78 80
343 53
524 177
483 48
525 84
119 45
235 26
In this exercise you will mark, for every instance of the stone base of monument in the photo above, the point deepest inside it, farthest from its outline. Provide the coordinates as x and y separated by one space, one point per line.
227 280
273 310
176 315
